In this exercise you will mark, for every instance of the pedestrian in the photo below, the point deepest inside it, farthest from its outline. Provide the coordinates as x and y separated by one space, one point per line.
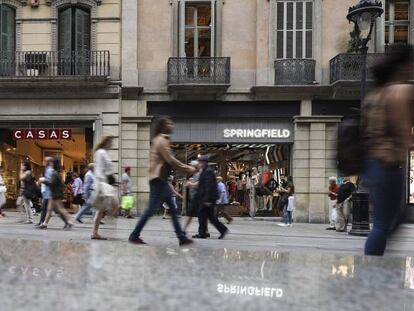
343 207
387 123
104 197
207 197
56 186
87 193
175 194
333 200
77 190
223 200
127 199
44 189
28 188
3 191
288 202
161 161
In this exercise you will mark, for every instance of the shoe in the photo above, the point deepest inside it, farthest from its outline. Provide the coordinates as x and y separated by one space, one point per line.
37 226
137 241
207 235
28 222
186 241
79 221
98 237
342 230
130 217
101 223
230 221
222 236
282 225
197 236
330 228
42 226
68 227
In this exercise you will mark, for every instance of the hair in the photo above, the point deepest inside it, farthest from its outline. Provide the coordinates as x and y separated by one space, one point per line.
103 142
56 165
291 190
160 126
91 166
127 169
395 58
27 166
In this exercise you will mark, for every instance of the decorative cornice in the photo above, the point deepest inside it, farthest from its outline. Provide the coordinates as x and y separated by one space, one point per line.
50 2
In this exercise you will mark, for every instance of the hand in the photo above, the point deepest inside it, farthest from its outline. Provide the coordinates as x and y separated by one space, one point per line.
191 170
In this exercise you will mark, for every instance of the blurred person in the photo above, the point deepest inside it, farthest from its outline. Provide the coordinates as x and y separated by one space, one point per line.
223 200
207 196
77 190
387 119
288 206
127 199
56 186
175 194
44 189
343 207
28 190
161 161
104 196
333 200
88 182
3 191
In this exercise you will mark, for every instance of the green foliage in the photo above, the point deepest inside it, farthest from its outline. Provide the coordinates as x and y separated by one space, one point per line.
354 42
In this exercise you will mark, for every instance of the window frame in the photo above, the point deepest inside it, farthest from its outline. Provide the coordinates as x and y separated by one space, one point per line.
14 10
392 23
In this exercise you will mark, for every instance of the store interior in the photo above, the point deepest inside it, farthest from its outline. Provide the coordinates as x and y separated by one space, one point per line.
74 154
239 165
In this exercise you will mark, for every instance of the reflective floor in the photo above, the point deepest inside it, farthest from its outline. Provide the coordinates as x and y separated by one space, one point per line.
63 275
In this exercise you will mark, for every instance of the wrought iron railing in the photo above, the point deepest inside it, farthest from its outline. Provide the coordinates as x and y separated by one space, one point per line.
54 64
203 70
348 67
294 71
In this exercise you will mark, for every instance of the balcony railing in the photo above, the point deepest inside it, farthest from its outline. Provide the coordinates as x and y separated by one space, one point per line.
348 67
54 64
199 70
295 71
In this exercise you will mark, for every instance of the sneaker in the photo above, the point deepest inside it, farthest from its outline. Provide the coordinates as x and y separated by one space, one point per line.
137 241
282 224
42 226
223 235
68 227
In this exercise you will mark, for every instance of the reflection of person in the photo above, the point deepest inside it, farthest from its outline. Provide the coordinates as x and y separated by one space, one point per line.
343 207
333 200
207 196
2 193
387 120
161 159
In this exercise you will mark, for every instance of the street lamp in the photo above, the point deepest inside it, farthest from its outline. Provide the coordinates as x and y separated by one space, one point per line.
363 15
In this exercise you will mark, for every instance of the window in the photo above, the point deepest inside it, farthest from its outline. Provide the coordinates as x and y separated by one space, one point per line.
8 28
294 29
397 22
197 28
74 29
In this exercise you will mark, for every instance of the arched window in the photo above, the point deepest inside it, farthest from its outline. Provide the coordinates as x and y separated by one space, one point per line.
7 28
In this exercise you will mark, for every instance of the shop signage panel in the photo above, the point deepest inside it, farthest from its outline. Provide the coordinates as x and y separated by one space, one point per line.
49 134
230 131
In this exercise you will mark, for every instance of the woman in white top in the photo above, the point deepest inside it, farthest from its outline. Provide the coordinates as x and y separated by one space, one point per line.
2 192
105 193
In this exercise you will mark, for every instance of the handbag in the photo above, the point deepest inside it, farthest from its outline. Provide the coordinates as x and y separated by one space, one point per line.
104 197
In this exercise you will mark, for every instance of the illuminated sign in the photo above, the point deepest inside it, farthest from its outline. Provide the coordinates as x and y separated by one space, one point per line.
256 133
51 134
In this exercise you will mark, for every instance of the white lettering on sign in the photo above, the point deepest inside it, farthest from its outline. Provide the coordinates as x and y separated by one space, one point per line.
256 133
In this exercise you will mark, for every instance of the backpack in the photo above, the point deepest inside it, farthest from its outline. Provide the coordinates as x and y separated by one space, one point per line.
31 191
350 148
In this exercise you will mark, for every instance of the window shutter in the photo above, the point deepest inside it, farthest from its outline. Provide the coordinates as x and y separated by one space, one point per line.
8 29
83 30
64 27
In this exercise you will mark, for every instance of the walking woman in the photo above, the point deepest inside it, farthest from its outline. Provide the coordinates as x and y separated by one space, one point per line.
387 119
56 186
27 185
104 196
3 191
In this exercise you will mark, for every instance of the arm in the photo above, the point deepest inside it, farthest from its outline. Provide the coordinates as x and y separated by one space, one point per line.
168 157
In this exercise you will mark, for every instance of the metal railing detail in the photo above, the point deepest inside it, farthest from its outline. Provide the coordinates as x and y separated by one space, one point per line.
294 71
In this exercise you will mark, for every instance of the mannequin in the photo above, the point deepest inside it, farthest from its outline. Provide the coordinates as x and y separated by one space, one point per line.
268 195
253 178
259 189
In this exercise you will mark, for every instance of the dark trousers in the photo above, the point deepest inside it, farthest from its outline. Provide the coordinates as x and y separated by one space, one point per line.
207 213
222 212
160 193
385 187
43 212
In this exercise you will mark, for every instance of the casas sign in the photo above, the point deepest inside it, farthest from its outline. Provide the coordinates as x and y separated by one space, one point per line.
53 134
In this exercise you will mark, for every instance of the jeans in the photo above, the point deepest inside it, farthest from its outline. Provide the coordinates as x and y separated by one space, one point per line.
287 215
85 208
386 188
160 192
45 203
207 213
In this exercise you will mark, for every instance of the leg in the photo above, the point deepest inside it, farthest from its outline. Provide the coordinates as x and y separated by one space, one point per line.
188 223
285 215
290 220
340 217
62 211
86 207
155 202
214 221
43 213
332 213
171 202
28 209
202 221
225 214
96 223
50 207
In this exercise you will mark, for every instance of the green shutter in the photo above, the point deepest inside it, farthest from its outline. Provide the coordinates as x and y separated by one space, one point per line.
8 29
65 30
83 30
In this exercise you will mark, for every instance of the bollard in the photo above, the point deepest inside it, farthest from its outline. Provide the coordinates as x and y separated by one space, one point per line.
360 214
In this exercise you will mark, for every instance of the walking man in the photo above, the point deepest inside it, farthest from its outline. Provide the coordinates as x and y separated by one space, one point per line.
161 161
207 197
87 191
223 200
333 200
344 204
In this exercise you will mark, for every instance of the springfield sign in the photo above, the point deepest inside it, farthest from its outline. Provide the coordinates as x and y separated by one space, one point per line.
256 133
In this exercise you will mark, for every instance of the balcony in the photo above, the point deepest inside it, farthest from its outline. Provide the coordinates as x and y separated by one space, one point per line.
52 68
348 67
209 76
295 71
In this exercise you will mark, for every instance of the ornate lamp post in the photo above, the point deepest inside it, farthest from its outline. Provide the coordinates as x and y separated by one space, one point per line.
363 15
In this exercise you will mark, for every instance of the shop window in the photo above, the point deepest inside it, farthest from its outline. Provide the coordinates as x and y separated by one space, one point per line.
294 29
397 22
74 40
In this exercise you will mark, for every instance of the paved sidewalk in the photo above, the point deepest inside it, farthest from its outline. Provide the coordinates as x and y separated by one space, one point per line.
245 234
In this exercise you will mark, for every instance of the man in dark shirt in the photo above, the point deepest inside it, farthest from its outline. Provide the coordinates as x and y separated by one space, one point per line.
344 204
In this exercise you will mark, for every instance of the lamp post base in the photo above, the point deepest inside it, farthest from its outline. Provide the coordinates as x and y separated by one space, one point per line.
360 214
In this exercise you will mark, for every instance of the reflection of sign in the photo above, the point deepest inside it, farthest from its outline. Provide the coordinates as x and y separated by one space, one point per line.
256 133
53 134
